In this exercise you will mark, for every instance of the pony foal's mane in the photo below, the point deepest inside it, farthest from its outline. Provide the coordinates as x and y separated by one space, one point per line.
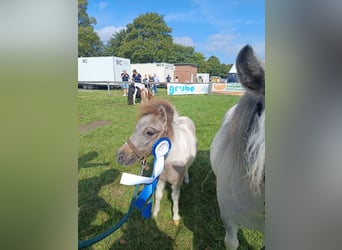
153 108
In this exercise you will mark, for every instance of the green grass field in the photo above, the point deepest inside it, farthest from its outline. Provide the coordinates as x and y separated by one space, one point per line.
102 201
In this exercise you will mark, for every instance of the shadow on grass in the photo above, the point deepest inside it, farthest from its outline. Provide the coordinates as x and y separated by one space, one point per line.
141 233
138 233
84 160
90 202
199 208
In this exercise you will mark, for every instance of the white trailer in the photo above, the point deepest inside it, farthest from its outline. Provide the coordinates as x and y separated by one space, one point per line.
162 70
203 77
104 70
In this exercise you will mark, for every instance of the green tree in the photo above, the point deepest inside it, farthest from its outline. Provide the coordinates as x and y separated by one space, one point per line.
147 39
185 54
203 67
224 69
198 58
214 66
89 43
115 42
180 54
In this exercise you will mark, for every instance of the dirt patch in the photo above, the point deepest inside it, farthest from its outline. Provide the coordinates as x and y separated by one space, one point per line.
93 125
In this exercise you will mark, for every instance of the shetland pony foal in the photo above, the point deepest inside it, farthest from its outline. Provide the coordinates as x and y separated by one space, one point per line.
237 153
158 118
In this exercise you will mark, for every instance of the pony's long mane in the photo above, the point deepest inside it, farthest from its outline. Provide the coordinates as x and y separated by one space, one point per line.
246 137
255 154
152 107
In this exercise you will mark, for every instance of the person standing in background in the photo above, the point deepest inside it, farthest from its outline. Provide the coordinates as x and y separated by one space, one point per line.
168 78
145 81
125 78
156 83
136 77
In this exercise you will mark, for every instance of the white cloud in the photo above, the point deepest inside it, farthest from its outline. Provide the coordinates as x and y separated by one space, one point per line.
184 40
219 42
226 47
190 16
106 32
222 44
103 5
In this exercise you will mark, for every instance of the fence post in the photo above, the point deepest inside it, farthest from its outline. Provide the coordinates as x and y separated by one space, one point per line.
108 87
210 88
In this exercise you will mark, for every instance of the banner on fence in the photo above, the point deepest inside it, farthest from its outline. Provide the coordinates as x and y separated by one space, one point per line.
229 88
187 89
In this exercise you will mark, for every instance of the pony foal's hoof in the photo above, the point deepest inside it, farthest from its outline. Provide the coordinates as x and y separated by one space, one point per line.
176 222
186 181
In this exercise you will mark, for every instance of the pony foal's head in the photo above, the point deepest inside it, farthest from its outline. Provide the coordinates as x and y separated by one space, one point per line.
155 119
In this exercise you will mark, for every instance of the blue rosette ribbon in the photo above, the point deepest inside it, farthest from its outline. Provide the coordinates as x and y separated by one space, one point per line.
143 203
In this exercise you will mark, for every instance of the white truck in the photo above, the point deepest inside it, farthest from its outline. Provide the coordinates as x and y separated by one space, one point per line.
162 70
101 71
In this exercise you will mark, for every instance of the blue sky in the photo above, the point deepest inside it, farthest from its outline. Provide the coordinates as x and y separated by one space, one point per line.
214 27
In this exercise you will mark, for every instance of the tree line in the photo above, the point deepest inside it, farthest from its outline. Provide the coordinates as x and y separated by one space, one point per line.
148 39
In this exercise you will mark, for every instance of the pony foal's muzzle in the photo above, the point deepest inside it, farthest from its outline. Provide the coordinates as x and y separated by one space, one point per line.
126 158
128 154
120 157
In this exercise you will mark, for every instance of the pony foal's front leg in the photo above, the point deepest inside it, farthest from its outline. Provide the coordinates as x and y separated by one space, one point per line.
175 198
158 196
186 177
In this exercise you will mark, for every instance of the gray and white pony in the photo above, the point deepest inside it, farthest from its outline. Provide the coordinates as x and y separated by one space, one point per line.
158 118
237 153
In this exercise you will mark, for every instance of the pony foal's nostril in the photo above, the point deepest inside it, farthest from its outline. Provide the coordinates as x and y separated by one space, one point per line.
120 157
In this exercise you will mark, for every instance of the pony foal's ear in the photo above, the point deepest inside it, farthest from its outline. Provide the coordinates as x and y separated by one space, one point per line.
162 115
250 70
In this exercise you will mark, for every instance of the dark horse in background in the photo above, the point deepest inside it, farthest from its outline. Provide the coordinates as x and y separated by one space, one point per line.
138 92
237 153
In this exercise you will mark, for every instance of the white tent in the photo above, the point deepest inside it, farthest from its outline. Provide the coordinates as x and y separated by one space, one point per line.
233 69
232 75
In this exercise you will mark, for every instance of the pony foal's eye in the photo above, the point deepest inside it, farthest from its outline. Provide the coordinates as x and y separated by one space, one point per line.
149 133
